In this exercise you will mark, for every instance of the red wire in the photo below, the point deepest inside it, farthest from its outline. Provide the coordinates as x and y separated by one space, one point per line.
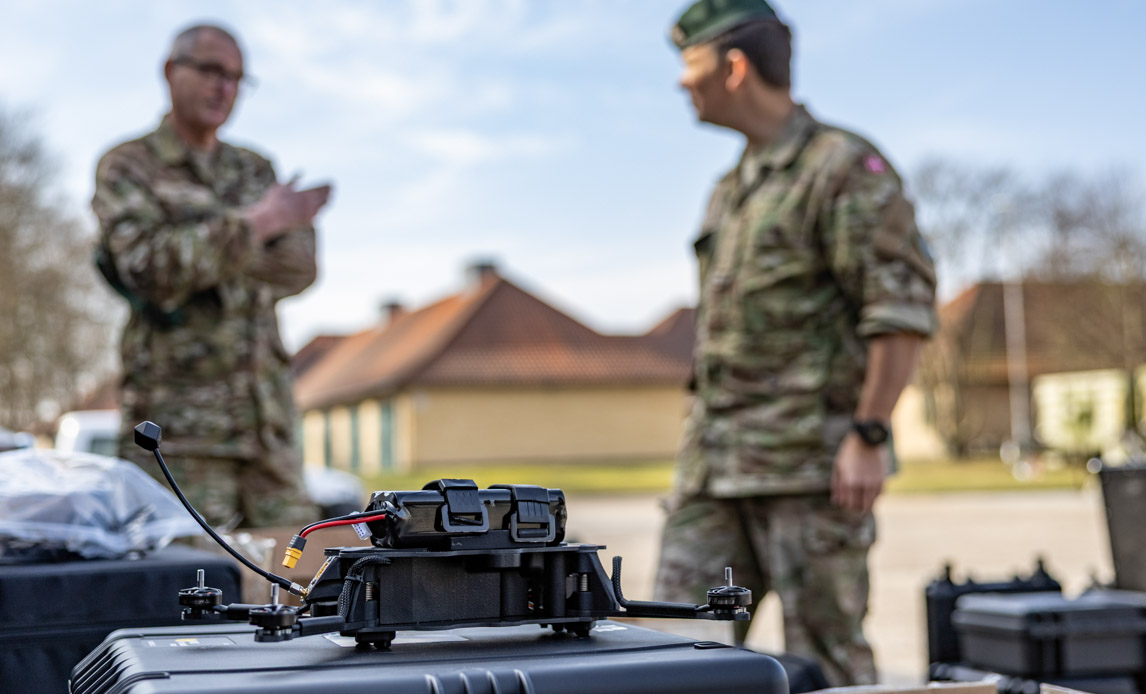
348 521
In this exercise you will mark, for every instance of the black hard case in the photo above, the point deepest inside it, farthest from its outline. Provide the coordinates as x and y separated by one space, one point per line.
1047 635
615 659
1124 497
804 674
941 595
54 614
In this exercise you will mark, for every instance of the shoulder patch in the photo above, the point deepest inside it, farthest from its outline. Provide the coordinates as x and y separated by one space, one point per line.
875 164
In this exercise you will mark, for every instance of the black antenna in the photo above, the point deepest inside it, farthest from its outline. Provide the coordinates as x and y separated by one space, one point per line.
148 436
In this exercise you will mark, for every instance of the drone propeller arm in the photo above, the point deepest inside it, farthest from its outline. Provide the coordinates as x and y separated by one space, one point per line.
638 608
309 626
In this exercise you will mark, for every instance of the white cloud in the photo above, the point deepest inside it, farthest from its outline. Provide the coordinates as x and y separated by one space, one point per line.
394 30
419 203
443 21
389 94
465 147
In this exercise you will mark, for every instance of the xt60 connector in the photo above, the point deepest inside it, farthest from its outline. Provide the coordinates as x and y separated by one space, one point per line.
294 551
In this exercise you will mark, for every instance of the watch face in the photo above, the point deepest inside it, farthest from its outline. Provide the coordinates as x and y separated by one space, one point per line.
873 433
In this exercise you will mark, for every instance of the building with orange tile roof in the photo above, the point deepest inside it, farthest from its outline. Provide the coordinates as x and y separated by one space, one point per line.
494 374
1068 327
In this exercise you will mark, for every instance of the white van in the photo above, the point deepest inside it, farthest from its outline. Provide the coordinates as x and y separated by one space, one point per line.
97 431
88 431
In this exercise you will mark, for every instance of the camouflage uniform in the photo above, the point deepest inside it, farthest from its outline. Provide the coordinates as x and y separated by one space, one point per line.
808 249
202 356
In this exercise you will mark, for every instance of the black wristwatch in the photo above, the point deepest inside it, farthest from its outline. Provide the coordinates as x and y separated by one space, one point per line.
872 431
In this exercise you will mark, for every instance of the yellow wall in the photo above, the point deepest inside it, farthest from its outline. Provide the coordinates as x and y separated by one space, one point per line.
404 430
340 437
915 439
464 425
370 436
370 456
313 435
1081 411
448 425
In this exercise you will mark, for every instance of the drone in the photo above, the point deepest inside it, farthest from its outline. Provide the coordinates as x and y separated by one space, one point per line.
446 556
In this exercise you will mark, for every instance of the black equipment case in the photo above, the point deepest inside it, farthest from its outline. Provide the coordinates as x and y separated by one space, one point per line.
53 614
1124 497
1046 635
617 658
942 594
804 674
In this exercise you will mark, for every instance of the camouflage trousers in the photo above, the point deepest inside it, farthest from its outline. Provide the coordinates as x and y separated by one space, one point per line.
812 553
259 492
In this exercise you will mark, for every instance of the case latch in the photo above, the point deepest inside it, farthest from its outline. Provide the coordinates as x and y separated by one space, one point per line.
529 517
463 511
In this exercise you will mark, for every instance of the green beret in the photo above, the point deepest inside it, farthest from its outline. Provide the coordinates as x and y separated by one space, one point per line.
707 19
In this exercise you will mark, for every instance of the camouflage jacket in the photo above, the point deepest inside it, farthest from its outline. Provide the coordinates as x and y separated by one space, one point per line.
808 248
217 379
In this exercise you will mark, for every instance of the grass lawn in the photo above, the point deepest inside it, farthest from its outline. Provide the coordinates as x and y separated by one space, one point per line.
656 477
982 474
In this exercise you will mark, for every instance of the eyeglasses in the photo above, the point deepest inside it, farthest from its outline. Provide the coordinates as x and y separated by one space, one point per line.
216 72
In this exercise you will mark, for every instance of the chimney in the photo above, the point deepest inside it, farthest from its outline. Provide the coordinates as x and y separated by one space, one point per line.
480 273
390 311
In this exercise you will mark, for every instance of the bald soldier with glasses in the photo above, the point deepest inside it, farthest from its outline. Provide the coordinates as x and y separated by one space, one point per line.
202 240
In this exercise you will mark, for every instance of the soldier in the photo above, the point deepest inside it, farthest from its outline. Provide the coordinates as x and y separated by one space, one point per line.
202 241
816 293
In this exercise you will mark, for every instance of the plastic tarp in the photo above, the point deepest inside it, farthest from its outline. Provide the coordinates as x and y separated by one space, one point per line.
334 488
56 505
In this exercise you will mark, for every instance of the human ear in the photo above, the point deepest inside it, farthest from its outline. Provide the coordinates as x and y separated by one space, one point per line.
737 68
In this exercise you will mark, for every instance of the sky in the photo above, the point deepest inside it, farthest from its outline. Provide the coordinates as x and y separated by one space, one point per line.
551 137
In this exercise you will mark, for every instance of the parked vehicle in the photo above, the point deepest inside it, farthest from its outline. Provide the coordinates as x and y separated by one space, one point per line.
11 440
95 431
88 431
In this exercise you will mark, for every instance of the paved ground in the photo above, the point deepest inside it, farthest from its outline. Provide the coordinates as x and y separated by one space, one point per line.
990 536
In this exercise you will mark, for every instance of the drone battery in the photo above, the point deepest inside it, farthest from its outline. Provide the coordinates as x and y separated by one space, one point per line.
616 658
452 514
53 614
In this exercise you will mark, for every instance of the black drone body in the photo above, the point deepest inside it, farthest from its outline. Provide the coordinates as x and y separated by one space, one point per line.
445 556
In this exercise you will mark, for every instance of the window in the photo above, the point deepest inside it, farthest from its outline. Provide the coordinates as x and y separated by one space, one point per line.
387 429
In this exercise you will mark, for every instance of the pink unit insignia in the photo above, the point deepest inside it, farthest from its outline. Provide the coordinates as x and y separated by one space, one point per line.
874 164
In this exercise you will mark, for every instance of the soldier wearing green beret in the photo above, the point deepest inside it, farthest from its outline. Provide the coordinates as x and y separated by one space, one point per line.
816 293
202 241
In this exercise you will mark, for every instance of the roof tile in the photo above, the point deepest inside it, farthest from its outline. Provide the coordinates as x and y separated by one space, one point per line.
496 334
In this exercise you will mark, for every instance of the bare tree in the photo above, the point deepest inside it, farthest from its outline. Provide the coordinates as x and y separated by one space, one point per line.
55 316
1095 228
969 214
975 218
1095 233
1085 232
